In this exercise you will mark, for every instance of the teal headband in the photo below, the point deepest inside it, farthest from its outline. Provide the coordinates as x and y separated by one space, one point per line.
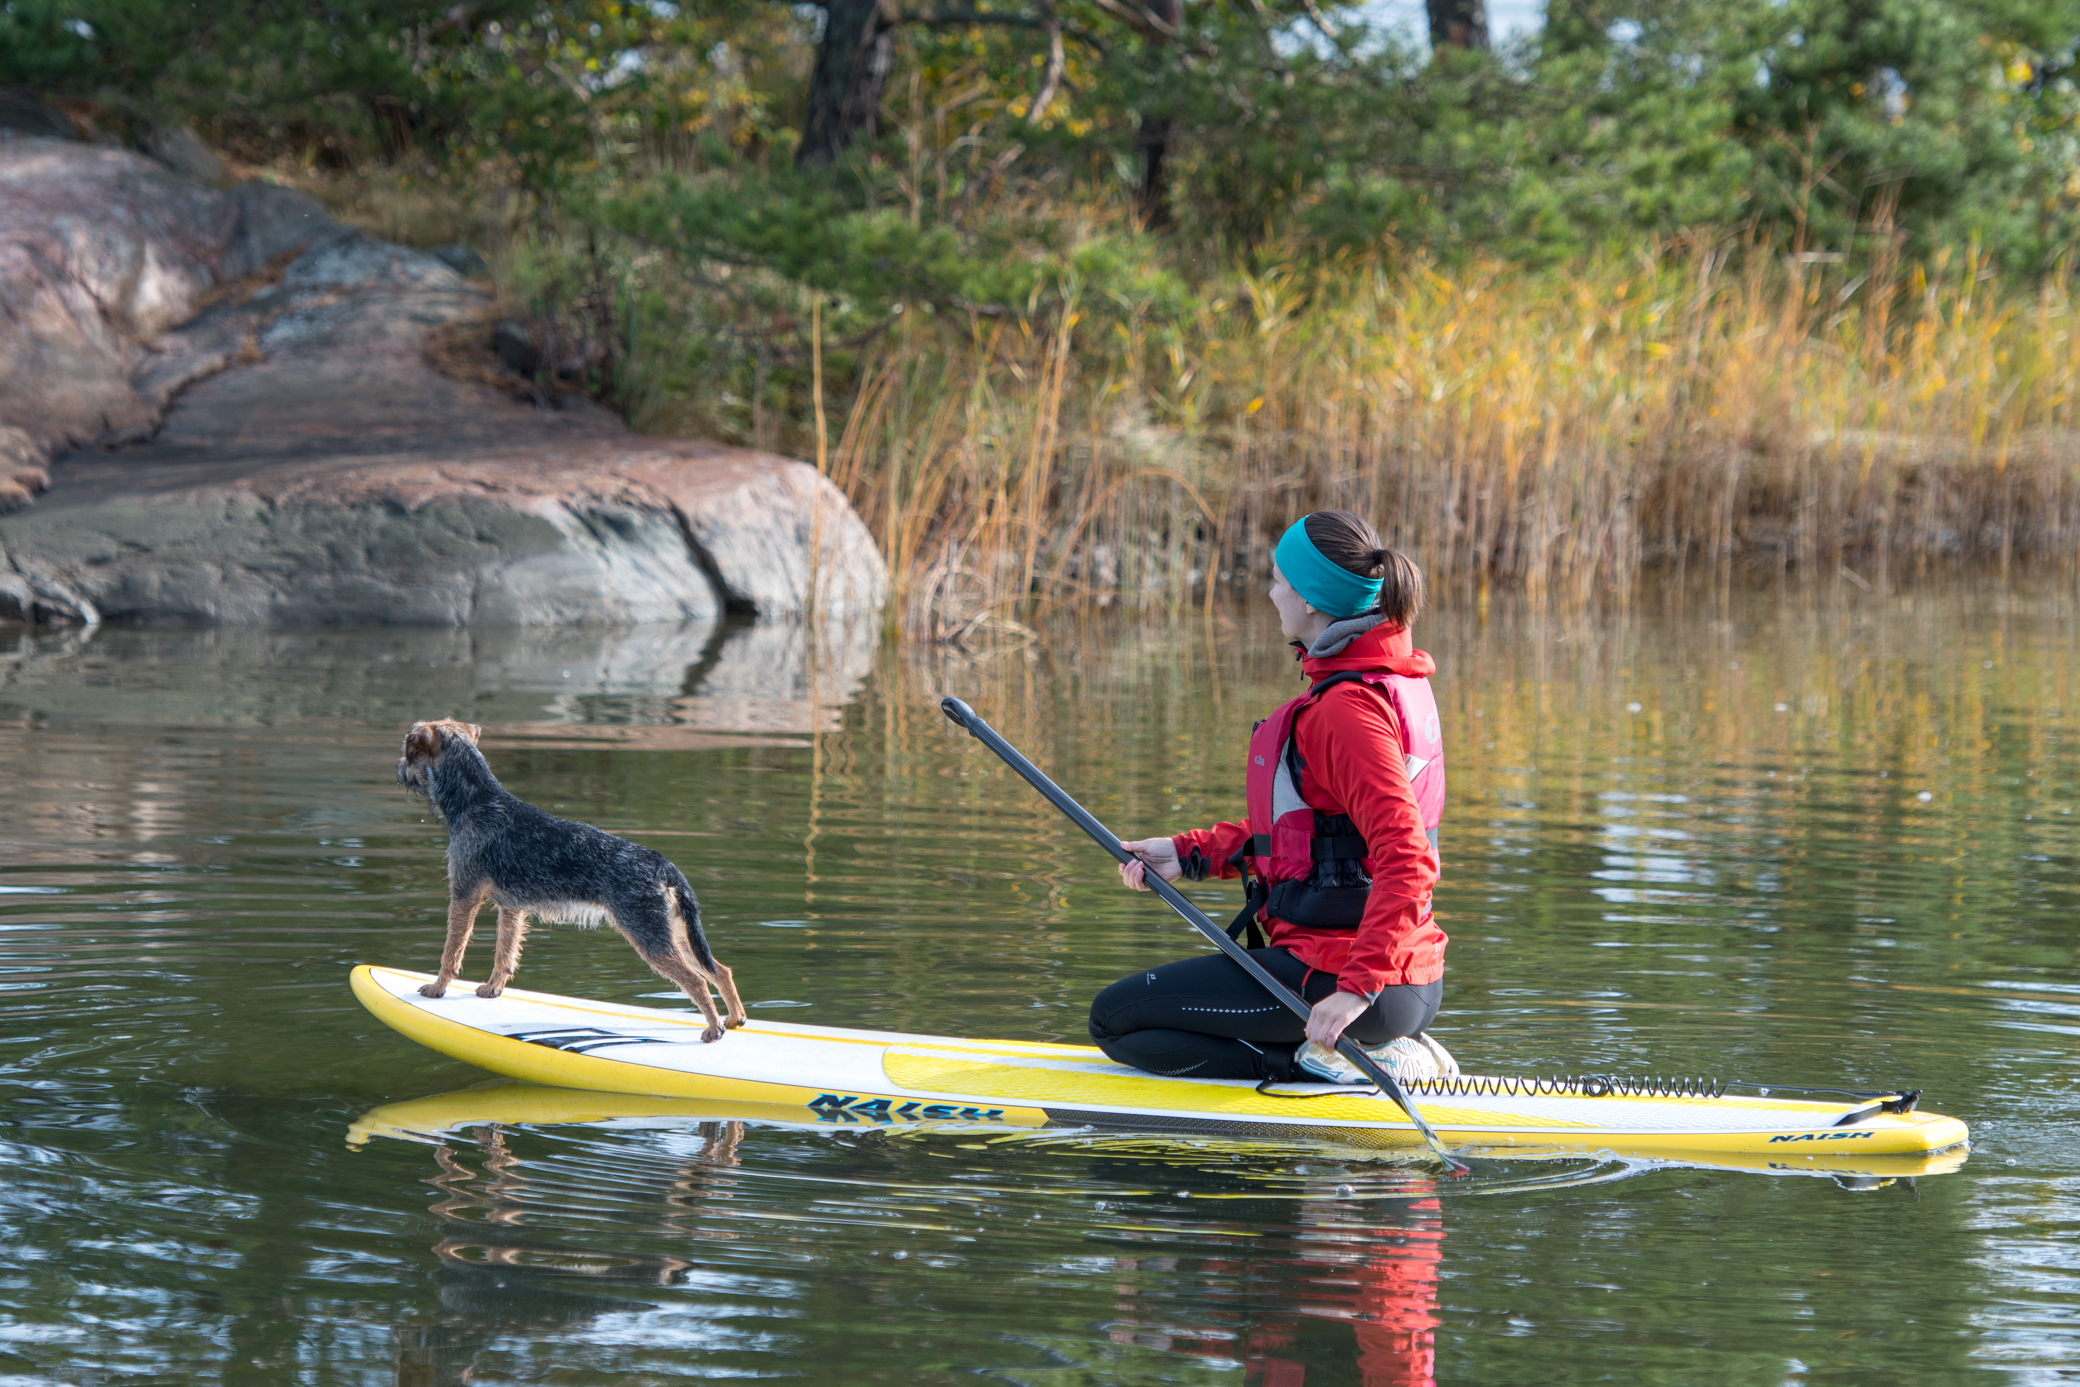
1327 585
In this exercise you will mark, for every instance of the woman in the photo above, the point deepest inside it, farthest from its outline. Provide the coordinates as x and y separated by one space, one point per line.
1344 791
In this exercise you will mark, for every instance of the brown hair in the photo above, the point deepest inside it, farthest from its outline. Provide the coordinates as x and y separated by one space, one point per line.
1350 542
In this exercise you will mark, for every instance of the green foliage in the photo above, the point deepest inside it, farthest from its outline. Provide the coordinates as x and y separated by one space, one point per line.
42 48
1946 121
1366 143
1934 100
346 81
1809 119
1003 180
725 272
1952 120
868 256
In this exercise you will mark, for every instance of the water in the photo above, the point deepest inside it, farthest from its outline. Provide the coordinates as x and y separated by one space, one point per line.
1822 840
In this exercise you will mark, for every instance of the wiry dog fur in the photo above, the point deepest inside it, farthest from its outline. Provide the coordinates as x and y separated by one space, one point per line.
525 862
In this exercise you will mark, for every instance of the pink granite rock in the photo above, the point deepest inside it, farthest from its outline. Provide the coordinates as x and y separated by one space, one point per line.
102 250
287 454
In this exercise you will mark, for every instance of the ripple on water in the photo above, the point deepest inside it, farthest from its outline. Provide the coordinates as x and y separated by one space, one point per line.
202 834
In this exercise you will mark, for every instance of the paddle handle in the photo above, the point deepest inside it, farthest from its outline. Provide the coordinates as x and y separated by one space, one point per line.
1105 838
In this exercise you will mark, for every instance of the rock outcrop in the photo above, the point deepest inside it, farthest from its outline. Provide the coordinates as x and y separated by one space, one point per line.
101 251
273 445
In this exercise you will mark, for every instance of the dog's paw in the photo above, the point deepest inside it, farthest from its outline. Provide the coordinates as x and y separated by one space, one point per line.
735 1022
711 1035
433 989
490 989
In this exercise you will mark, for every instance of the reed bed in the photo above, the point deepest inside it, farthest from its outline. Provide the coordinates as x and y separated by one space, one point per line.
1709 405
1684 408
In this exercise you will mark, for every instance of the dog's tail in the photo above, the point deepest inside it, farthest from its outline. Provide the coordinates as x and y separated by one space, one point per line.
689 912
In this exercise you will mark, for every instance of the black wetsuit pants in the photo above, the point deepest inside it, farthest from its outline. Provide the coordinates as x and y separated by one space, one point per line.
1207 1018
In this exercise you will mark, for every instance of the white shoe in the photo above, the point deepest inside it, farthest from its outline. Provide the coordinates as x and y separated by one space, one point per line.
1407 1058
1410 1057
1320 1062
1447 1067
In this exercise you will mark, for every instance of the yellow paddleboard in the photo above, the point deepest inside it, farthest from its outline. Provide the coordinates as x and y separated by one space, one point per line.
835 1076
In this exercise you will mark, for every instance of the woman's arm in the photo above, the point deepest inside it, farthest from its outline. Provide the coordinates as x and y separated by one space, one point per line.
1202 853
1210 852
1325 1022
1351 743
1159 853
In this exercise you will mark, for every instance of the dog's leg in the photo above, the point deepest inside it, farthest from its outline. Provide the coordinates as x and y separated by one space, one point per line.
462 918
720 1148
726 983
694 952
688 978
651 924
512 933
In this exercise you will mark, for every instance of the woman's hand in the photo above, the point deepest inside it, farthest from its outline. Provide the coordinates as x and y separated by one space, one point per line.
1331 1014
1159 853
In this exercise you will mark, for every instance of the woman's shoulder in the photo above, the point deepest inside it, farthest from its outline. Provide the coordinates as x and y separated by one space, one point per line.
1355 704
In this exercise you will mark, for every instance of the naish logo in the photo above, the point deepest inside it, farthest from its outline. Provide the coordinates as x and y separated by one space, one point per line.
1821 1136
846 1107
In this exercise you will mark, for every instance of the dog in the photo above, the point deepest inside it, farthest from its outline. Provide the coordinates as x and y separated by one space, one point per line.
527 863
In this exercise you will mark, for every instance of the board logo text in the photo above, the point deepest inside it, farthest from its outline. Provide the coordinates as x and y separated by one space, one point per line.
846 1107
1821 1136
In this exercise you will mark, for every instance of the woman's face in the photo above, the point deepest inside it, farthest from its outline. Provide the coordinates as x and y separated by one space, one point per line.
1295 617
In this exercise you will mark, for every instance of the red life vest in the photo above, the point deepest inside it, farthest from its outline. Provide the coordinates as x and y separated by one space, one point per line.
1313 869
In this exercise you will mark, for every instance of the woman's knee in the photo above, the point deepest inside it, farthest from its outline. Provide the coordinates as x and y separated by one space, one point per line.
1118 1010
1370 1029
1107 1008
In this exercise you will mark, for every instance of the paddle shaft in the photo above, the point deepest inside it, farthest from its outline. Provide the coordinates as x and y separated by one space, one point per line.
967 717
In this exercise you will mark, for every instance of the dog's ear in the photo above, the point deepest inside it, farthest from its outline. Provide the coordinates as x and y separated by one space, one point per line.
471 731
422 743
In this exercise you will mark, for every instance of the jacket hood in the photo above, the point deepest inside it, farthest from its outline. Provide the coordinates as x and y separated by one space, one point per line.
1366 643
1340 633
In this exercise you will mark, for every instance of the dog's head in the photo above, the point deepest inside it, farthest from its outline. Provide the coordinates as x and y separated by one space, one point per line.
423 746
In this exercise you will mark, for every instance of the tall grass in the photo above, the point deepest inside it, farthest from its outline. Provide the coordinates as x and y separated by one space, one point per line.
1707 405
1562 433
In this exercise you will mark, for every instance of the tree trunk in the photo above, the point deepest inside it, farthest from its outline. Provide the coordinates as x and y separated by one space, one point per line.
1154 140
1458 24
852 65
1154 137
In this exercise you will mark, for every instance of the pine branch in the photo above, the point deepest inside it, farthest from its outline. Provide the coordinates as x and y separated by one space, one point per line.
961 19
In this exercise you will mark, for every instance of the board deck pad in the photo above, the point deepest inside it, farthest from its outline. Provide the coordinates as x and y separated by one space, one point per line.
834 1075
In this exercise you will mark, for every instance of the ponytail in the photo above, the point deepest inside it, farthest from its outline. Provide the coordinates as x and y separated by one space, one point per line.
1350 542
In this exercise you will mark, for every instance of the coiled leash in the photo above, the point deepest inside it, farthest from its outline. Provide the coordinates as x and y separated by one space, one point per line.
1525 1086
962 714
1870 1103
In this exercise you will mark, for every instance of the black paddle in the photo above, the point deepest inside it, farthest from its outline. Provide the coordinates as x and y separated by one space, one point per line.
1172 897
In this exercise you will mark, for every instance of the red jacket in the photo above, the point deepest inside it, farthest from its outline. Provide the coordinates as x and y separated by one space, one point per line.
1350 745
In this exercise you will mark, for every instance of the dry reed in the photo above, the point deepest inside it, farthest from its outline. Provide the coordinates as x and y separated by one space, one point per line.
1684 408
1700 406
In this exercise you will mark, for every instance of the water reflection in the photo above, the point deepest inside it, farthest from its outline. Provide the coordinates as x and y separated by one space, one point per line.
1325 1259
496 1282
1347 1285
730 676
1322 1279
1739 878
